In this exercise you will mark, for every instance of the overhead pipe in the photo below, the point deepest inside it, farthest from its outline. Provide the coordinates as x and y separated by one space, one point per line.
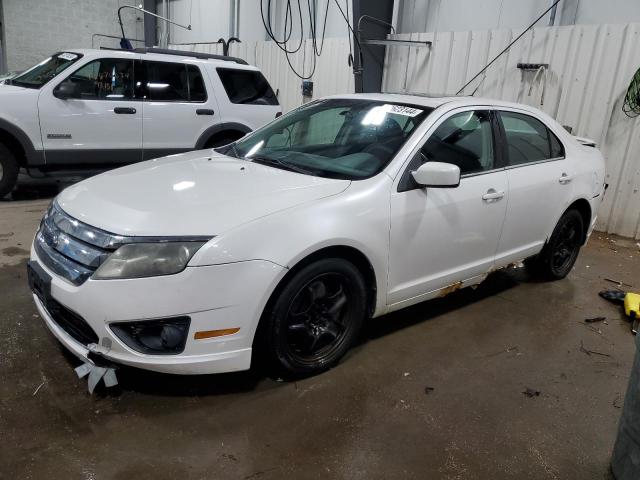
124 43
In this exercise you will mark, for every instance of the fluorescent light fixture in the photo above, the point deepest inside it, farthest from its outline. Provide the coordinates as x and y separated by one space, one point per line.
396 43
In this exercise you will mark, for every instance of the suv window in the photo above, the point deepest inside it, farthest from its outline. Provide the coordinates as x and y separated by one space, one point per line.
464 139
38 75
528 139
104 79
197 90
247 86
173 82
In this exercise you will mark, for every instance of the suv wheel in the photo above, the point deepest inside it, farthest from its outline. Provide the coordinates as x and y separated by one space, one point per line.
316 317
8 171
558 256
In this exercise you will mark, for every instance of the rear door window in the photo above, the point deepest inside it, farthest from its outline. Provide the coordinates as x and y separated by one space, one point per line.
247 87
197 90
174 82
528 139
166 81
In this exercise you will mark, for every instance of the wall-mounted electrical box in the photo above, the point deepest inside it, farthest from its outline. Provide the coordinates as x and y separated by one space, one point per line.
307 88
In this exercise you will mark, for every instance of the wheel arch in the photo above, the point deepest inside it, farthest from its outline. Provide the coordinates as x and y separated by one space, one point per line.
583 207
220 130
345 252
14 145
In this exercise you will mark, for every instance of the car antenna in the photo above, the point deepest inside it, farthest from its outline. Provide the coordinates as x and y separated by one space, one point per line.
506 49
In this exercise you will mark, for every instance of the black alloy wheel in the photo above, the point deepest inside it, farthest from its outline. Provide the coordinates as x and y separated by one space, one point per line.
317 316
561 251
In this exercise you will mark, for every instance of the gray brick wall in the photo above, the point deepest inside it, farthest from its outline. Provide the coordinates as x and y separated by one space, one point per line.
35 29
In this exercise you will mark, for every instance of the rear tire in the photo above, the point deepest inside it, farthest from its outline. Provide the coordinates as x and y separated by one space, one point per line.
315 318
8 171
558 256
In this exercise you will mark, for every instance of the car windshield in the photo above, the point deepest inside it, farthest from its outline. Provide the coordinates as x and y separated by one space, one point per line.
337 138
38 75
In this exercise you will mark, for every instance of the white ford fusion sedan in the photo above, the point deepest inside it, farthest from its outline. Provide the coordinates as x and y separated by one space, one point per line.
283 243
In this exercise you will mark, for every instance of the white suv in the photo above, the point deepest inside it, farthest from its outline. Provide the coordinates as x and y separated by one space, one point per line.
287 240
102 108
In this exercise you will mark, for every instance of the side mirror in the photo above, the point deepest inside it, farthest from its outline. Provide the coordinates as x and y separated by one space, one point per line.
66 90
437 175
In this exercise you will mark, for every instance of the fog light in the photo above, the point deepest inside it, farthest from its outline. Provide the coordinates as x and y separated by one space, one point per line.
155 337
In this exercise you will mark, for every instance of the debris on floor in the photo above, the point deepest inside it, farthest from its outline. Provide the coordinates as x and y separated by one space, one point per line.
529 392
595 319
617 402
513 348
614 296
618 282
428 390
591 352
631 303
35 392
593 329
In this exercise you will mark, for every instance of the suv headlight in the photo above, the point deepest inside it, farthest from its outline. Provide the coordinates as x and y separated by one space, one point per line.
137 260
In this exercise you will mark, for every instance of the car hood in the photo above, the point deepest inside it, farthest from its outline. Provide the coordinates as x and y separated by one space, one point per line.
196 193
6 89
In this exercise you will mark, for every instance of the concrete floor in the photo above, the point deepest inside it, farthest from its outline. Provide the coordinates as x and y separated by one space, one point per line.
434 391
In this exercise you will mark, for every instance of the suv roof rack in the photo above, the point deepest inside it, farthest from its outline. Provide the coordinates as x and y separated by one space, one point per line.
185 53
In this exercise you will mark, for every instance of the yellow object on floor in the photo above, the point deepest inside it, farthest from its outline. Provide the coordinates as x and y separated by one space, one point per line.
632 305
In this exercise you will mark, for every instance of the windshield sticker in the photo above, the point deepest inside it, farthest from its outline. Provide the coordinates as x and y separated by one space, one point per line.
403 110
68 56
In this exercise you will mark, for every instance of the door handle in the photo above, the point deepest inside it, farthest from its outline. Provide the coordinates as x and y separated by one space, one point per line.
565 179
124 110
492 194
204 111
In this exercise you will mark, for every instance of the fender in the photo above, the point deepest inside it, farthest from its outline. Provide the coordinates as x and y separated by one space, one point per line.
220 127
33 156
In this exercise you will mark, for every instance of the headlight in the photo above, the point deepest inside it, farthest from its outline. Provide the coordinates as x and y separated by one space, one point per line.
136 260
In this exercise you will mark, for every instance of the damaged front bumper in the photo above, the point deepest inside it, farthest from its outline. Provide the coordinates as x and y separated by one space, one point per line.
213 297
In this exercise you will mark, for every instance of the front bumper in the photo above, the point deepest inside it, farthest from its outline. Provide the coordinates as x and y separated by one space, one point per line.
214 297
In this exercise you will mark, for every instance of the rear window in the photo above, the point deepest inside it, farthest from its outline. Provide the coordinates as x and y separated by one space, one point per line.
247 87
529 140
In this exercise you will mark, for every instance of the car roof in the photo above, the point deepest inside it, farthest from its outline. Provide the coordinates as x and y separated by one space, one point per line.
436 100
178 56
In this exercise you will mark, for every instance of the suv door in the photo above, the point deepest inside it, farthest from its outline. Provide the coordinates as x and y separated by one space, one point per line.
178 107
97 120
440 236
539 184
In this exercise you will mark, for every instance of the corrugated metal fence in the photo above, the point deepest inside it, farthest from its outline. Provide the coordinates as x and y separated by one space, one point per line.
590 68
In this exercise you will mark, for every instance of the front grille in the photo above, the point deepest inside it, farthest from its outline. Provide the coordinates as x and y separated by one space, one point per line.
70 248
71 322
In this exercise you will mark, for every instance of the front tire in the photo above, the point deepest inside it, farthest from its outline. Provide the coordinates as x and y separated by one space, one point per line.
316 317
8 171
558 256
